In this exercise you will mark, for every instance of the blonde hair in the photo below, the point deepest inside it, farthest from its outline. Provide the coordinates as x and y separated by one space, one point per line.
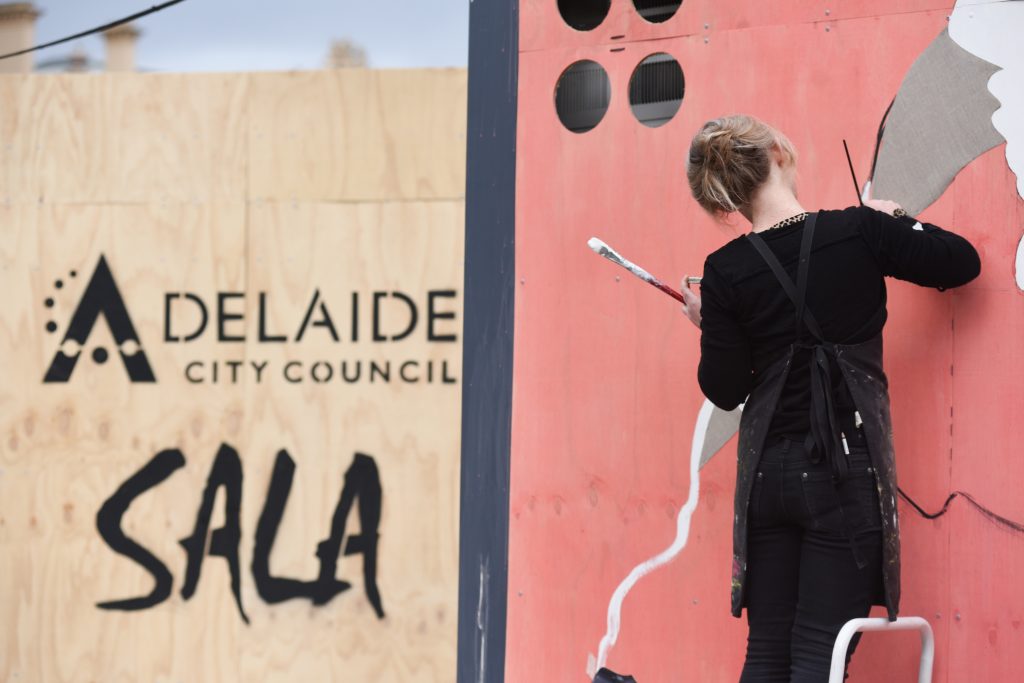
730 157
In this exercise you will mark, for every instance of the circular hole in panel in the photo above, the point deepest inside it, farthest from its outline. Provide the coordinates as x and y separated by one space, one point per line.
584 15
656 89
582 95
657 11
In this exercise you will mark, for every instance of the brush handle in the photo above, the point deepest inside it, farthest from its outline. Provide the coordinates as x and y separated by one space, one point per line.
668 290
604 250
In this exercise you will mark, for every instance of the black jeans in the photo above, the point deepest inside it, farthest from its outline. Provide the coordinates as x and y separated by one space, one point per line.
803 582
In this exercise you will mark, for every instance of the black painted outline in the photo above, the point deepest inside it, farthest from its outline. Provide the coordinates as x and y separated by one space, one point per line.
487 338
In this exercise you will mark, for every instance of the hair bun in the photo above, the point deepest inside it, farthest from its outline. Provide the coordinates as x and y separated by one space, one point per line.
730 157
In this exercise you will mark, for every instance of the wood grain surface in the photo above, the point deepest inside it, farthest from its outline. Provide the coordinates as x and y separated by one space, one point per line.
292 186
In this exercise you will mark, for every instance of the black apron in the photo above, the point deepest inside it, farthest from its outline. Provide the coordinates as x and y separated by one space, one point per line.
861 369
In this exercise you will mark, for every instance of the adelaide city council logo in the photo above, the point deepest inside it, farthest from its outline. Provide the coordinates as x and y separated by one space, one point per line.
101 298
368 319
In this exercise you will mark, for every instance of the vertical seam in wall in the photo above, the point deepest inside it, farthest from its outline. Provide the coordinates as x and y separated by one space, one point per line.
246 217
949 532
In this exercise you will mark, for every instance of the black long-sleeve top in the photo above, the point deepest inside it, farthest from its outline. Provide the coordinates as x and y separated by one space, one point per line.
748 321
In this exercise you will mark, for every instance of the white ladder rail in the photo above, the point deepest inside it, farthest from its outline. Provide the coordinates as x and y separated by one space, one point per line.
851 627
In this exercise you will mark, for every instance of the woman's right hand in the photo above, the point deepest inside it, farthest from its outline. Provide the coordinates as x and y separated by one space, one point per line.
883 205
691 305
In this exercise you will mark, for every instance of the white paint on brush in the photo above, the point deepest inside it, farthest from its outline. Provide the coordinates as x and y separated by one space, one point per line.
670 553
603 249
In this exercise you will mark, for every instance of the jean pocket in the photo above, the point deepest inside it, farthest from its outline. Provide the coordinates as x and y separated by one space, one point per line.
852 506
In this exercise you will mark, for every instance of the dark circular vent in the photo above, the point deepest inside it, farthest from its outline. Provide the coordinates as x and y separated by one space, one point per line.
656 89
584 15
657 11
582 95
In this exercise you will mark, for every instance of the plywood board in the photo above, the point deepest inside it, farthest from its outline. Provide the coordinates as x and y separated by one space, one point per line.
376 134
93 138
223 291
543 28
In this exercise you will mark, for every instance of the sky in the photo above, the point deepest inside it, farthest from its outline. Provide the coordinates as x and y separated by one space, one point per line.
259 35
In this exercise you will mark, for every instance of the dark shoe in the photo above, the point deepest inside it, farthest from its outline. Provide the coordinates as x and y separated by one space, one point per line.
606 676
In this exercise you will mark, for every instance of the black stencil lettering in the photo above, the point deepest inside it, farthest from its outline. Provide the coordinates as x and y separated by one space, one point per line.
324 321
203 317
413 316
444 374
264 335
377 336
355 316
433 315
223 316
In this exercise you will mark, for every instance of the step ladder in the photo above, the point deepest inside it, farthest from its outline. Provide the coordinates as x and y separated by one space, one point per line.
924 674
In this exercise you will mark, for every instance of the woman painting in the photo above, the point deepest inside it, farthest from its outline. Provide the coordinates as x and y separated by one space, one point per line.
791 318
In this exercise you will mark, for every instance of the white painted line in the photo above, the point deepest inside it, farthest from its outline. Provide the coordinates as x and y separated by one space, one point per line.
670 553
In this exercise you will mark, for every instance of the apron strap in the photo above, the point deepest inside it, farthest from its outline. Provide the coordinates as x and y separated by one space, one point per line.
796 293
802 274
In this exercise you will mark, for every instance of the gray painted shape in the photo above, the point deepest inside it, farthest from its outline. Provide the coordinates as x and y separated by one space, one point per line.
721 427
940 121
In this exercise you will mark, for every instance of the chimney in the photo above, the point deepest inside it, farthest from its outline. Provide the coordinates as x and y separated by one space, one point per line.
17 32
345 54
78 61
121 47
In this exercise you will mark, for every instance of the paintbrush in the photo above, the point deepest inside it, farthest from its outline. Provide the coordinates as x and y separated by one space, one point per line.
853 174
603 249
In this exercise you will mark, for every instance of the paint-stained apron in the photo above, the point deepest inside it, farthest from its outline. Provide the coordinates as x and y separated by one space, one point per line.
861 370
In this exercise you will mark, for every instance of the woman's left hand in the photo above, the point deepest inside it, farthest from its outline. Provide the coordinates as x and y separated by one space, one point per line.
691 305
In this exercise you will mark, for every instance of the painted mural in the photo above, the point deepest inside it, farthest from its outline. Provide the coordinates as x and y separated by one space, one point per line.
620 519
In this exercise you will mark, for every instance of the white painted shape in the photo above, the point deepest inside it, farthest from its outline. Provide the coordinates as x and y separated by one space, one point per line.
682 534
918 226
1008 87
993 31
973 3
1018 270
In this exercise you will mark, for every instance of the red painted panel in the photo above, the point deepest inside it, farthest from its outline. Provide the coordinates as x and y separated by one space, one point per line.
985 596
605 393
542 26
